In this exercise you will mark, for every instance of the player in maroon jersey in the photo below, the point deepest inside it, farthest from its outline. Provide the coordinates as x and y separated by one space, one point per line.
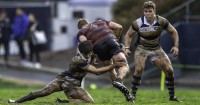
105 44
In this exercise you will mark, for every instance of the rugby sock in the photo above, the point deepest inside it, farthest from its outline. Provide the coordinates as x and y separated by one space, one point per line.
28 97
124 90
119 80
135 84
170 86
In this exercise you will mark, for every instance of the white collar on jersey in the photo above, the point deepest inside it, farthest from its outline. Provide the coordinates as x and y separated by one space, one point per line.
145 21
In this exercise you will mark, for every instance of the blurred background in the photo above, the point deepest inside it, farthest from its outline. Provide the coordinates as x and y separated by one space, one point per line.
58 19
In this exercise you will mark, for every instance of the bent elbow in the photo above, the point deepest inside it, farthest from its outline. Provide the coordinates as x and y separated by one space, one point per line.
120 27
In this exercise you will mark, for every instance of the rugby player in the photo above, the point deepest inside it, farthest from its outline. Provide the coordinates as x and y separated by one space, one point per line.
149 28
104 35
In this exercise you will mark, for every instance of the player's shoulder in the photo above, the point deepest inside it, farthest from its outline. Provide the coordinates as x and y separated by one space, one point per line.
161 19
78 59
137 23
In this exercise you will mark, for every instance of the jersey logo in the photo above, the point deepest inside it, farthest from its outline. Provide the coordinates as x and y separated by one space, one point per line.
150 29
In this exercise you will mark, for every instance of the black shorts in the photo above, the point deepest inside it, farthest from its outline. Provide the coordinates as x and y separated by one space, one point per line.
107 49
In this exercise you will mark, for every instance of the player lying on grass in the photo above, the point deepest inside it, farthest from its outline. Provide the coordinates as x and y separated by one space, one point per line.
70 80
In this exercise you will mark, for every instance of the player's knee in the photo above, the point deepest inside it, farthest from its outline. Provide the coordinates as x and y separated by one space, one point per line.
121 60
90 100
120 57
169 71
138 70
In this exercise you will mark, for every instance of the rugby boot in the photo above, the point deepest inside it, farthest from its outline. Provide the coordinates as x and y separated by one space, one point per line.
174 98
11 101
58 100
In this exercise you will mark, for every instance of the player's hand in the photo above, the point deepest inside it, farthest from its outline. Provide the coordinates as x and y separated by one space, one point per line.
95 59
127 52
119 64
174 51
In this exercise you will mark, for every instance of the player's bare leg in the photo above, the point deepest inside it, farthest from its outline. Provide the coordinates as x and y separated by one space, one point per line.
165 65
112 73
50 88
77 95
122 71
117 77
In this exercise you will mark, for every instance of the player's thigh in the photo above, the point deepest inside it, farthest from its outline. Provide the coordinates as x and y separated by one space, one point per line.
165 65
163 62
112 72
52 87
119 57
79 93
140 58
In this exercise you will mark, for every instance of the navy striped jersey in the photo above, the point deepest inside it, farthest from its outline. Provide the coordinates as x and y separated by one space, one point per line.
149 34
97 31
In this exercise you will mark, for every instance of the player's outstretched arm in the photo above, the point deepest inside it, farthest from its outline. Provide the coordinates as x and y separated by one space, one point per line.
104 69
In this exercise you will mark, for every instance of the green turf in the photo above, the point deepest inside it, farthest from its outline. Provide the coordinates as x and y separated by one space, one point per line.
102 96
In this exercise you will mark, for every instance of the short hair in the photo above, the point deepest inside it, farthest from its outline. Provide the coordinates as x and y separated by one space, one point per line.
149 4
85 47
82 22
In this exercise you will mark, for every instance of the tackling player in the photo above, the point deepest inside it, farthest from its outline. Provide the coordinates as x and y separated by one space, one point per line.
70 80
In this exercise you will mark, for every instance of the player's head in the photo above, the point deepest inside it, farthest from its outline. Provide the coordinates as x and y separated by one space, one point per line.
86 48
82 22
149 9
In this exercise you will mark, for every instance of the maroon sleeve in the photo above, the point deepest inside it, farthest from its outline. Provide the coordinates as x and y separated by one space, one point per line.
81 32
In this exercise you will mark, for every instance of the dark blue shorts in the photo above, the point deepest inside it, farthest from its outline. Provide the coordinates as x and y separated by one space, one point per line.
107 49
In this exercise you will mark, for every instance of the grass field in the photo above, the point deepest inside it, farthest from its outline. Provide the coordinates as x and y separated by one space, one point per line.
102 96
